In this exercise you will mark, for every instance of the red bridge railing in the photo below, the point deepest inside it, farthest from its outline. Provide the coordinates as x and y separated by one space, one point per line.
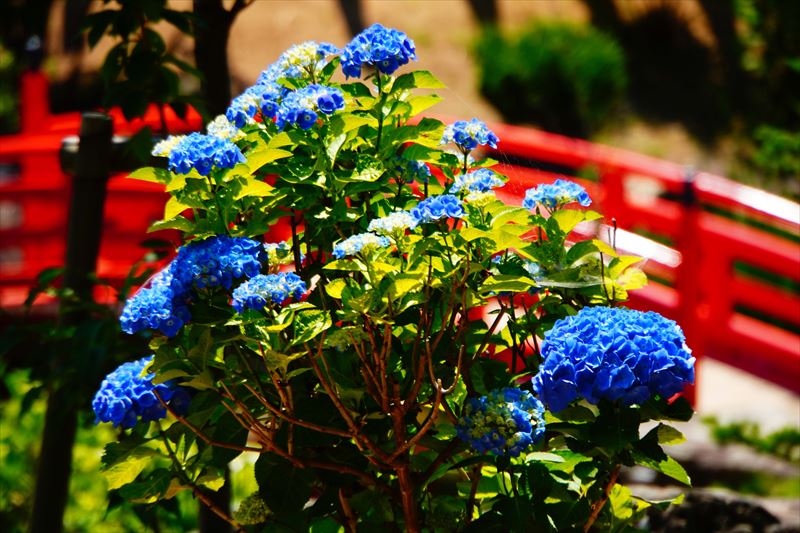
733 284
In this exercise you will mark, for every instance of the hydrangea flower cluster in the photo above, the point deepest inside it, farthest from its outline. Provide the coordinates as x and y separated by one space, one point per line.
127 395
393 224
301 107
436 207
302 59
222 128
556 194
481 180
468 135
362 242
506 422
202 153
244 107
383 48
214 262
259 291
612 354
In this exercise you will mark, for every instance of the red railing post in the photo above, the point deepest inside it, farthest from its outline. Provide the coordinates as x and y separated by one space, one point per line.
687 278
34 102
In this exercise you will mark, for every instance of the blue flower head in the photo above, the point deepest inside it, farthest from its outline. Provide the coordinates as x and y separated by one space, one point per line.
258 292
302 107
127 395
382 48
481 180
203 153
360 243
468 135
506 422
301 60
436 207
244 107
613 354
208 264
410 170
556 194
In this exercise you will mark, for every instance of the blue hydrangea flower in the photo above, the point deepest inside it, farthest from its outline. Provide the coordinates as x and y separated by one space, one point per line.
302 107
383 48
410 170
506 422
556 194
362 242
259 291
393 224
279 253
126 395
613 354
468 135
203 153
481 180
215 262
164 147
436 207
222 128
244 107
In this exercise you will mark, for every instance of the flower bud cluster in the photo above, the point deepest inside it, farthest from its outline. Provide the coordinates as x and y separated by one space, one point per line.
612 354
506 422
302 107
127 395
393 224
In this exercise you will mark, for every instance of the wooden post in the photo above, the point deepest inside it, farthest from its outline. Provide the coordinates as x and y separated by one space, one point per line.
83 244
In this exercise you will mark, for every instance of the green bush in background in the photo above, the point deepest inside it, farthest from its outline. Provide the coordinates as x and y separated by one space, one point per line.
562 77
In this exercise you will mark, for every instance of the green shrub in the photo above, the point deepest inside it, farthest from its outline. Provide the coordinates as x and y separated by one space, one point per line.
778 152
563 77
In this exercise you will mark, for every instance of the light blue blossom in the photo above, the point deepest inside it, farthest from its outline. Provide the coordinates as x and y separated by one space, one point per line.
128 395
615 354
437 207
481 180
360 243
506 422
556 194
468 135
393 224
258 292
382 48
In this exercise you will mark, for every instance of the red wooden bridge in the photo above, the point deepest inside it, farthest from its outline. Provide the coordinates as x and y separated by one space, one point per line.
723 258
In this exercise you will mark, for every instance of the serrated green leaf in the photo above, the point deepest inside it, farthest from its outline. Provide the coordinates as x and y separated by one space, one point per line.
506 282
173 208
618 265
668 466
179 223
669 435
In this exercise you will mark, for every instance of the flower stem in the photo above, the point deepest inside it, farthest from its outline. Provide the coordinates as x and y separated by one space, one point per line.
599 504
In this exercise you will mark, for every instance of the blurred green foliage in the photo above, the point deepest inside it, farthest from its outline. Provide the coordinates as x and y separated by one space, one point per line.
784 443
566 78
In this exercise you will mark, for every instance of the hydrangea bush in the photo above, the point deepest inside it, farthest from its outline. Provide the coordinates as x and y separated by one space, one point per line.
356 359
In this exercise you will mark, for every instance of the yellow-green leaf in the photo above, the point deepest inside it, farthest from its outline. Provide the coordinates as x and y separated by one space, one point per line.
174 208
126 471
151 174
254 187
335 288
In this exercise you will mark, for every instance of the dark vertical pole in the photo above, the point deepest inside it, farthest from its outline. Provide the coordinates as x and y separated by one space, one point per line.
351 9
687 278
83 244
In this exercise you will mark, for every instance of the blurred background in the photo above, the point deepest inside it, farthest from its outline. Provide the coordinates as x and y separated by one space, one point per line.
703 88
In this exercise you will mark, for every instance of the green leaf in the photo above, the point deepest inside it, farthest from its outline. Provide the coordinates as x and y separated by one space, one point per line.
258 158
669 435
173 208
151 174
345 264
310 323
667 466
347 122
285 488
128 469
335 287
618 265
506 282
420 79
179 223
418 104
254 187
